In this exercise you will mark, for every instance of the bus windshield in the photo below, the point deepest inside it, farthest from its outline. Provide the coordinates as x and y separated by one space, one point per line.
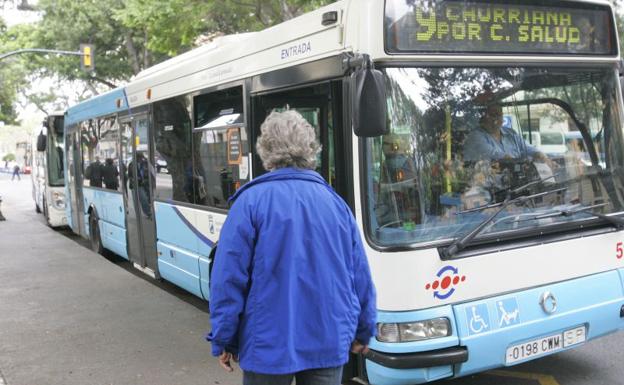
55 158
464 138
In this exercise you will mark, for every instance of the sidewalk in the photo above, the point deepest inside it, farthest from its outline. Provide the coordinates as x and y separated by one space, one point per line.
70 316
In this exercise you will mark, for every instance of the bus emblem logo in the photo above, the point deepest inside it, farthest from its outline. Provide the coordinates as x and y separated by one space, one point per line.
548 302
443 286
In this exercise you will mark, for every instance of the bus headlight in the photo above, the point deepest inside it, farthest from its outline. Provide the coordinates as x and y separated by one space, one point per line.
58 200
413 331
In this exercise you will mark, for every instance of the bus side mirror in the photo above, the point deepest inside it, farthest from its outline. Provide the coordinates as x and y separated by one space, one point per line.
368 102
41 142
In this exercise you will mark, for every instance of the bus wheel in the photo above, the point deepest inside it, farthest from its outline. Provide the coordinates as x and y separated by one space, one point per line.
45 212
94 230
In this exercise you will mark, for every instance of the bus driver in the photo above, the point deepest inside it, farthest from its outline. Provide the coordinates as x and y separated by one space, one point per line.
493 141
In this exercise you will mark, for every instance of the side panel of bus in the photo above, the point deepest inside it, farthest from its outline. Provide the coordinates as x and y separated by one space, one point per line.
208 161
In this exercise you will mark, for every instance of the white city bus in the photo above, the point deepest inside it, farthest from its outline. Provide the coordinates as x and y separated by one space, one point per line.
484 253
47 174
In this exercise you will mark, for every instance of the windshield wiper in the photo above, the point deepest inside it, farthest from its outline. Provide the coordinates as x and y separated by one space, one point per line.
618 222
510 193
459 244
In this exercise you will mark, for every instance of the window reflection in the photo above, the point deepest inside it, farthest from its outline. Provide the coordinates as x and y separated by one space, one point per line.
463 138
221 164
173 150
100 152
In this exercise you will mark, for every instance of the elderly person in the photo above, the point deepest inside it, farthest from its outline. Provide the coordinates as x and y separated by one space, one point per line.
291 291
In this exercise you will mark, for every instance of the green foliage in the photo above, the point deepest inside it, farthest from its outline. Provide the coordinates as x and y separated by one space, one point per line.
67 23
129 36
232 16
12 72
172 27
8 157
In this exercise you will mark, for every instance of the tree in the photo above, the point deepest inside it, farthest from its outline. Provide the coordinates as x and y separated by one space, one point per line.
11 78
129 36
8 157
172 27
120 51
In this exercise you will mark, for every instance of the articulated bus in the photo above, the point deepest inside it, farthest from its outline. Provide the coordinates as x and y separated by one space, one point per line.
487 250
47 174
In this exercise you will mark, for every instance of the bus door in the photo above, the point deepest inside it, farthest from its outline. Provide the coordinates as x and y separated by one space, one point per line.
321 106
74 182
138 188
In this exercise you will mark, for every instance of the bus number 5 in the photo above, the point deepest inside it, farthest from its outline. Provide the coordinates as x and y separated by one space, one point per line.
620 251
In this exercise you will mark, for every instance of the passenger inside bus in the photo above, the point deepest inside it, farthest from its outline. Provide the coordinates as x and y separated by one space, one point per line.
399 183
94 173
467 153
398 165
110 174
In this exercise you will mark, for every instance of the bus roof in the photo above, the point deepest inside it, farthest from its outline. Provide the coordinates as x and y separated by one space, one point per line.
100 105
359 28
235 57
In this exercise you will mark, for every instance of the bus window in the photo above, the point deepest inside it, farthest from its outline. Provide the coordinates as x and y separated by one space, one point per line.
91 162
172 137
55 151
448 154
108 152
315 105
221 145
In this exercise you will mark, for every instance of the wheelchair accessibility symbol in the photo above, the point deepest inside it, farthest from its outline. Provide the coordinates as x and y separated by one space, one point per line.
478 318
508 312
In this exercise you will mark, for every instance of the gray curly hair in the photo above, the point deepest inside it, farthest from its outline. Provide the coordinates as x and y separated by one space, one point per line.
287 140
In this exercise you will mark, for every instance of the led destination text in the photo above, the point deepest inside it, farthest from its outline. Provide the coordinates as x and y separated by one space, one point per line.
469 26
497 24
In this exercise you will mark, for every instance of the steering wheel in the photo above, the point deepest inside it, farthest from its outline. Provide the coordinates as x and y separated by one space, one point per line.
511 174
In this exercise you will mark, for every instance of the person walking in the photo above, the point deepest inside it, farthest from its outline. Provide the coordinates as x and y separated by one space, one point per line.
291 292
16 172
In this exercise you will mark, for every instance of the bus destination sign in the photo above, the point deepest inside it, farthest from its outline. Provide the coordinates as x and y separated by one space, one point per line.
477 27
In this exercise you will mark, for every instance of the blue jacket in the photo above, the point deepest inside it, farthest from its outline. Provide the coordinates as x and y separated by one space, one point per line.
290 287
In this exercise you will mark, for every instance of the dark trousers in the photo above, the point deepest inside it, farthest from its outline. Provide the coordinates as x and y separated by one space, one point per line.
325 376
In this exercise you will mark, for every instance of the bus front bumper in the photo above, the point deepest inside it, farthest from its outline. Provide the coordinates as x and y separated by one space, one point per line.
494 330
448 356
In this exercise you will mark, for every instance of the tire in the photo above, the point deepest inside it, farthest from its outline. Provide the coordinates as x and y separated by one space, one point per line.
94 235
45 212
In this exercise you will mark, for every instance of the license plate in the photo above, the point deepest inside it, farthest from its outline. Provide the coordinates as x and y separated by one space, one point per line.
545 345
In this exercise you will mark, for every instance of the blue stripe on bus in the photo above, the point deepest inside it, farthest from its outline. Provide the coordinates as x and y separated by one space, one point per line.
170 228
193 228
